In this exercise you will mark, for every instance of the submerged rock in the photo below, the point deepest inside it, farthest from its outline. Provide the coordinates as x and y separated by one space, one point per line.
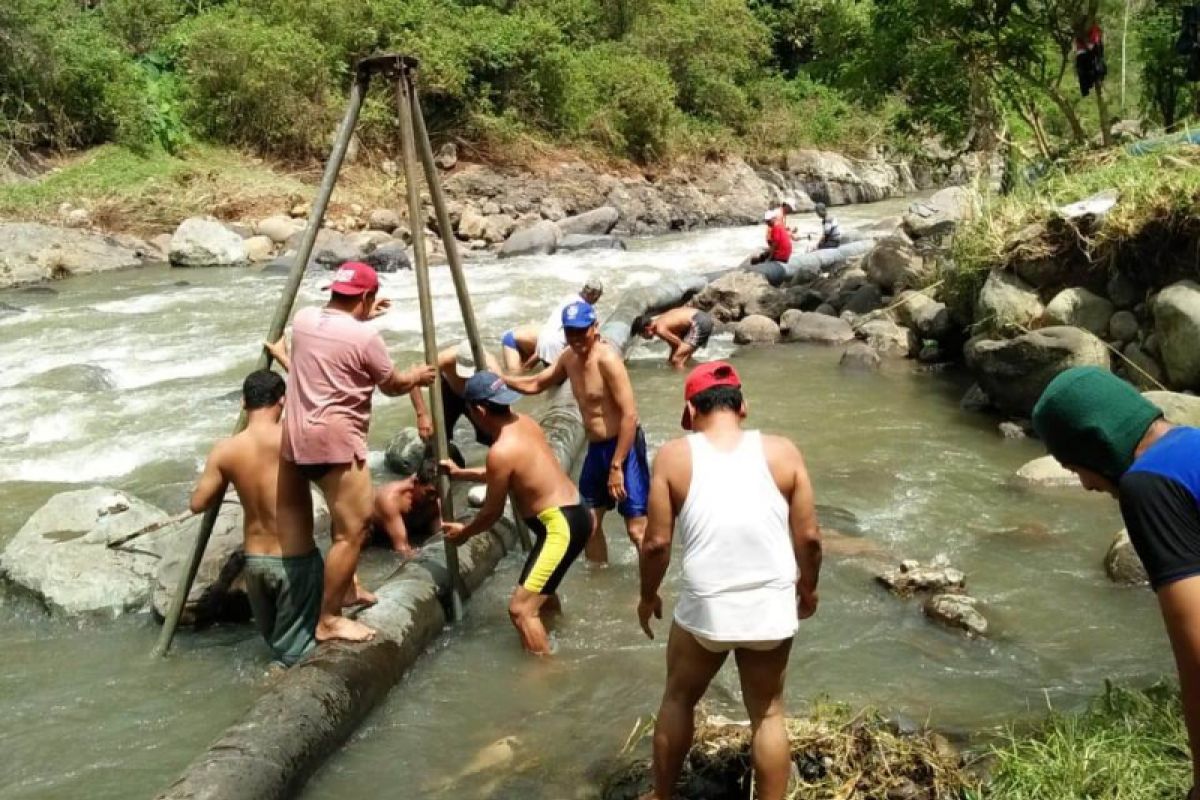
8 310
860 356
910 577
73 378
579 241
756 329
957 611
1121 562
61 555
1046 472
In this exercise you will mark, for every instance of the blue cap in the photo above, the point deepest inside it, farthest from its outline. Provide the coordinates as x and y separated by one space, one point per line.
579 315
490 387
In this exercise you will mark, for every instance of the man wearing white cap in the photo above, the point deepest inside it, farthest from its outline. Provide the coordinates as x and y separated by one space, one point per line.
455 365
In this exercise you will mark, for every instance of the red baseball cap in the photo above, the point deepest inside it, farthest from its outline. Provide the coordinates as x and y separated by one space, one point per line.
707 376
354 278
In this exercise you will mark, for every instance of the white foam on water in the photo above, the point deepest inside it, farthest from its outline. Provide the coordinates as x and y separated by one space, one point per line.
57 427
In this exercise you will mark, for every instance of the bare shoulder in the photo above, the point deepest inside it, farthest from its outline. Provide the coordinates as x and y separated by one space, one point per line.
781 450
673 454
610 359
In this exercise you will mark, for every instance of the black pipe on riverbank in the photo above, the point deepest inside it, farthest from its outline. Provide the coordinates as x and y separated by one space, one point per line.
297 723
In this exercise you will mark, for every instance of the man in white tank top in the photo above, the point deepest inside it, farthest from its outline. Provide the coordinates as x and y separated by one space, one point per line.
751 558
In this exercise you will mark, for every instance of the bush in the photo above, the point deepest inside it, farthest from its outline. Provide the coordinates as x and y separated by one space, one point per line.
251 83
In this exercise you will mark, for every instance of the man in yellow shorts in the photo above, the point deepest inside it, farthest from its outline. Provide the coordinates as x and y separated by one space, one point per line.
520 460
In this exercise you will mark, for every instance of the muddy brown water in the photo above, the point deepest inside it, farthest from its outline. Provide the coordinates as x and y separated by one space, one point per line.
125 379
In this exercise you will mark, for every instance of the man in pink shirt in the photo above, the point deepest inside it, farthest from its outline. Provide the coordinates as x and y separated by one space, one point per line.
337 361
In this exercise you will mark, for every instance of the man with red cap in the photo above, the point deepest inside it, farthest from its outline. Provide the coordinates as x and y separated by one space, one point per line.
337 362
751 557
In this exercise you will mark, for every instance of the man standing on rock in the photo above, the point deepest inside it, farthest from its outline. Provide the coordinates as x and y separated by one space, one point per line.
337 361
751 560
1116 441
455 365
615 471
284 591
684 329
771 262
551 339
521 461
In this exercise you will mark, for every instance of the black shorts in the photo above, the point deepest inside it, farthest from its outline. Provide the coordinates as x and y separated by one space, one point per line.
561 533
701 328
453 409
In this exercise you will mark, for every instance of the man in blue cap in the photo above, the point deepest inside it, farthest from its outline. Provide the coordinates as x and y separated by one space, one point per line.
520 460
616 471
1116 441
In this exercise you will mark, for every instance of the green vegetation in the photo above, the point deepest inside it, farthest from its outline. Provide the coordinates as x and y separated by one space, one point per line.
1128 745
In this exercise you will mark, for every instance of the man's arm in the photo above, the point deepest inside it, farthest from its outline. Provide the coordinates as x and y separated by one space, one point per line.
552 375
466 474
278 351
802 519
404 381
616 378
668 336
498 472
210 487
424 418
655 554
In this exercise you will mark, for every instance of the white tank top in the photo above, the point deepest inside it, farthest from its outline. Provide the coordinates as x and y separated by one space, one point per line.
739 566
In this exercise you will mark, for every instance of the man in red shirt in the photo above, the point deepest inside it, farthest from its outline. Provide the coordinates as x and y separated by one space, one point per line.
337 361
779 249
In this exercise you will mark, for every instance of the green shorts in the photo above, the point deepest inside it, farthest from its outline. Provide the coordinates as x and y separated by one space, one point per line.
285 597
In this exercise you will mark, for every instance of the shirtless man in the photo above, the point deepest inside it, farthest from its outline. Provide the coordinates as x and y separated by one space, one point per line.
337 361
616 470
284 592
519 345
411 501
684 329
455 365
520 460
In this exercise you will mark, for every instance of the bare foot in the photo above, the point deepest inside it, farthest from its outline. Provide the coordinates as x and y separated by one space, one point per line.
356 595
347 630
406 551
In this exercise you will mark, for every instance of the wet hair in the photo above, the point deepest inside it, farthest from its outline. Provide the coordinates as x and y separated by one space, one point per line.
262 389
717 398
640 324
427 471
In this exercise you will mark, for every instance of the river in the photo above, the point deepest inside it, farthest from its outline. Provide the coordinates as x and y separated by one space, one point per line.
88 713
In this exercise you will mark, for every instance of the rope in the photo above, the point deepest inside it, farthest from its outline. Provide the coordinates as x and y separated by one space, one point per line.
874 315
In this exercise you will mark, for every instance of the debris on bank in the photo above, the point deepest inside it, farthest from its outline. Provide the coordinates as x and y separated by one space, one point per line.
835 754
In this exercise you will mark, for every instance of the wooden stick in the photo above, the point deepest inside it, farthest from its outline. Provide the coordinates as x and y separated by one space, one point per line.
283 311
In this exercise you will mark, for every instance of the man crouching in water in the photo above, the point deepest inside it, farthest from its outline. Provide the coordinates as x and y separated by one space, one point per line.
521 460
284 591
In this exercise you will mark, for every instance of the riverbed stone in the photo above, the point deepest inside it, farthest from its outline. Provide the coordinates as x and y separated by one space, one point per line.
1005 302
1123 327
1177 324
863 300
975 400
61 557
1121 562
737 294
598 221
1140 368
1046 473
73 378
756 329
332 249
886 337
941 213
910 577
893 265
1123 291
1182 409
540 238
259 248
860 356
580 241
31 252
1014 372
1081 308
957 611
390 257
805 326
383 219
205 242
279 228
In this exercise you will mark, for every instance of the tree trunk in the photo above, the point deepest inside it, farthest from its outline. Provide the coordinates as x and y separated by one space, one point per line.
1105 124
1077 134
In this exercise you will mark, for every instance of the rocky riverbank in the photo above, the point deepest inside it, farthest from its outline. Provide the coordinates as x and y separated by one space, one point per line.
566 205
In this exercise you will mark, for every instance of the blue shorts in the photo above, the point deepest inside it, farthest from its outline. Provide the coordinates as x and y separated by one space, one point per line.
593 478
509 339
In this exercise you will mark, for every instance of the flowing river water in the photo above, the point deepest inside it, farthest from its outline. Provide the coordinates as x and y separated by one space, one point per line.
125 379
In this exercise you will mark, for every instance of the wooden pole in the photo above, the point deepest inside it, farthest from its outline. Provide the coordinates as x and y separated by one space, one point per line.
283 311
429 334
456 268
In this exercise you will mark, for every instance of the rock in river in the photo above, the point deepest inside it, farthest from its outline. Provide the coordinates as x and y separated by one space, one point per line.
30 253
910 577
957 611
61 555
1046 472
1122 564
205 242
538 239
860 356
756 329
806 326
598 221
1014 372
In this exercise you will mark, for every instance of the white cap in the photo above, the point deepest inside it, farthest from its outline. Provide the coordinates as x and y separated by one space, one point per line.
770 214
788 203
464 362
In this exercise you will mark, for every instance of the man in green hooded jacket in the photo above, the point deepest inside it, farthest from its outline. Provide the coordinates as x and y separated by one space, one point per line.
1116 441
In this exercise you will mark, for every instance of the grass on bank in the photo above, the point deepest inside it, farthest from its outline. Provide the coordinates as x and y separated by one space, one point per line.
1160 189
1128 745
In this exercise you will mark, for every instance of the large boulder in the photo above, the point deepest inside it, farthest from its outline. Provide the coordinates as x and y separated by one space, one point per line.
1005 302
597 221
30 253
1081 308
756 329
893 265
61 555
538 239
406 450
491 228
390 257
1014 372
886 337
1182 409
941 213
581 241
739 293
383 219
205 242
957 611
860 357
279 228
863 300
1140 368
1177 325
1046 472
911 577
1121 562
332 249
258 248
807 326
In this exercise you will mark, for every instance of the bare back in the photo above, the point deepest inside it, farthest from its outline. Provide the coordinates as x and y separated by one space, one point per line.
676 320
536 479
250 461
593 391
